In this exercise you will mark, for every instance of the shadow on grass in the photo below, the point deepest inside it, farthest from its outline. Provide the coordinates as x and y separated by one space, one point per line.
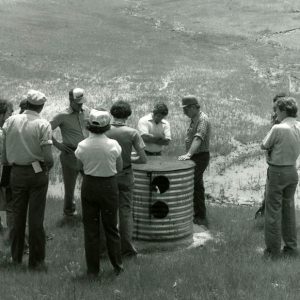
66 221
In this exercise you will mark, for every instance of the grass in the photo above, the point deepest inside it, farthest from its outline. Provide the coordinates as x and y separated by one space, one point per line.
228 267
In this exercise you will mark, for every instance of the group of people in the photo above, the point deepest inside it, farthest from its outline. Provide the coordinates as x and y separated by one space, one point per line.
98 144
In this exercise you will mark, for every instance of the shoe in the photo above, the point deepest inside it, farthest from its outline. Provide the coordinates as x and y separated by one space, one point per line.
41 267
289 253
260 213
271 255
72 214
118 271
200 221
130 254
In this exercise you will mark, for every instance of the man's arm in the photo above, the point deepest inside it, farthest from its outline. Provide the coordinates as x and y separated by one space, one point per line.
60 146
119 163
47 154
3 155
193 149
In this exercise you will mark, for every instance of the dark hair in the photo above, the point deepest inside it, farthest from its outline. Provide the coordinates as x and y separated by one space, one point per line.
121 109
4 105
34 107
278 96
71 95
289 105
160 108
96 129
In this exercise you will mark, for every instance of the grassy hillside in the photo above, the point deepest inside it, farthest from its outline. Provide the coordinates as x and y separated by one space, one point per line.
145 51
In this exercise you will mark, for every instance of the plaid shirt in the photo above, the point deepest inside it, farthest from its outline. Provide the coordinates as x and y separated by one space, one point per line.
200 128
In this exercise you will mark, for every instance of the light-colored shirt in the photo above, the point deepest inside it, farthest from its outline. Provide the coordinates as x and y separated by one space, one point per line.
127 137
200 128
72 125
146 125
25 134
283 143
98 154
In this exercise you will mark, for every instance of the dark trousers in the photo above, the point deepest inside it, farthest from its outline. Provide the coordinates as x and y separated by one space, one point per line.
99 195
280 218
125 185
29 191
201 161
70 174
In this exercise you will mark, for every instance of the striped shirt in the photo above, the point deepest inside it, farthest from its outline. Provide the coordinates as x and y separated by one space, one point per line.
200 128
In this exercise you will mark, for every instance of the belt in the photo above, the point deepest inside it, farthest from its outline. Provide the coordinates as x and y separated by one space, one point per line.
153 153
71 147
43 165
126 168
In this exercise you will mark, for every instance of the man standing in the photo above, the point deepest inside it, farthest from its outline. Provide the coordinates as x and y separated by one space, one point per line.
155 130
27 147
128 138
283 144
197 147
72 123
261 210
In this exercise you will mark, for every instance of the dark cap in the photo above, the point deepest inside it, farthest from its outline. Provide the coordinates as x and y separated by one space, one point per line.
189 100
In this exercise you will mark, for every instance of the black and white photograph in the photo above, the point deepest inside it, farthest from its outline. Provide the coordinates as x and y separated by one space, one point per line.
149 149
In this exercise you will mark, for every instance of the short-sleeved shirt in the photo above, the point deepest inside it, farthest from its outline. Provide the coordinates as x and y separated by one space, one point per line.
127 137
98 154
72 125
25 134
283 143
200 128
146 125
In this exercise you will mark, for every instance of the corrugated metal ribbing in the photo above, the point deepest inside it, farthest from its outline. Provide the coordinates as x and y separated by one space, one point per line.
163 216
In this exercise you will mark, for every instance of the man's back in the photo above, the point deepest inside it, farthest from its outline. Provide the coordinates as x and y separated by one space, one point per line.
25 134
127 137
284 142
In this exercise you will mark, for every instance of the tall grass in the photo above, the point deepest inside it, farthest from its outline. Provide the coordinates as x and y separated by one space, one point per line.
116 55
228 267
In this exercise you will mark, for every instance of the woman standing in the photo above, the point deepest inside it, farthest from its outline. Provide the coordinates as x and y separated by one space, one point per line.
100 159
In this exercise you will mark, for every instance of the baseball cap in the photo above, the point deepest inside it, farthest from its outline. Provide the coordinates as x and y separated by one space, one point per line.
99 118
189 100
36 97
78 95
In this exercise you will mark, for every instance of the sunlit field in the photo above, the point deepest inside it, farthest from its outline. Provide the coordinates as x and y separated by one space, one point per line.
131 50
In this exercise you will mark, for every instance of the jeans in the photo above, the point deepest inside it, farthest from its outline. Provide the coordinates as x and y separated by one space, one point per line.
201 161
280 208
29 189
70 174
99 196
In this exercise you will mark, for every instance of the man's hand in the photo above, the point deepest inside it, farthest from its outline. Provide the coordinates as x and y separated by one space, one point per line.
185 156
62 147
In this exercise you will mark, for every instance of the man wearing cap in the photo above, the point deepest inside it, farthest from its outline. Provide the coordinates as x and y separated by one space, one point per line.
100 159
155 130
72 124
28 149
197 147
